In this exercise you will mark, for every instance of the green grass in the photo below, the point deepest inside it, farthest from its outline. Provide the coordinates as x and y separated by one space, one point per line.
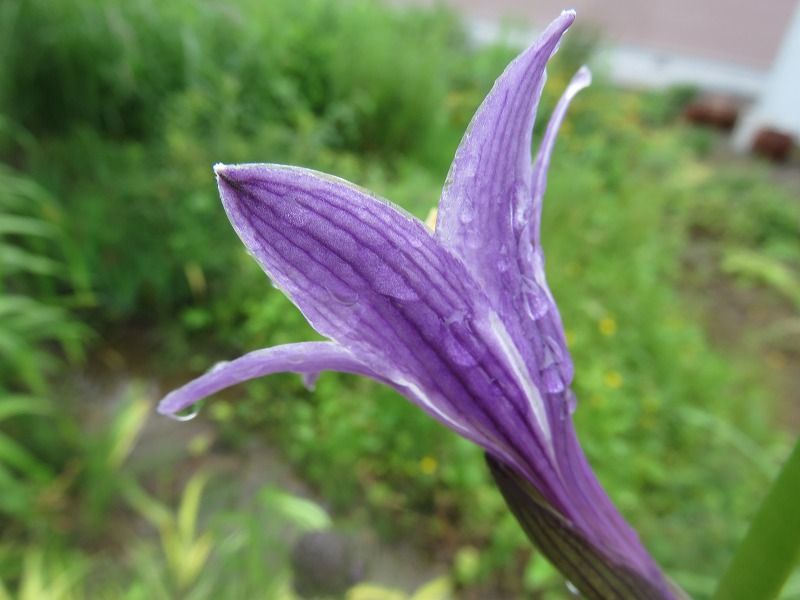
113 114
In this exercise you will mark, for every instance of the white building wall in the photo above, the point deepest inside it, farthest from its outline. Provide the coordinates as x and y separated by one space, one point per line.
778 104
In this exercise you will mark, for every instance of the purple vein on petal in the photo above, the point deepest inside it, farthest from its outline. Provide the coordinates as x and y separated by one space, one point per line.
311 232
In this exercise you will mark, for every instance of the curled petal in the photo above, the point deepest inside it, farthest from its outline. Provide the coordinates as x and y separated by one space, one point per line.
579 81
305 358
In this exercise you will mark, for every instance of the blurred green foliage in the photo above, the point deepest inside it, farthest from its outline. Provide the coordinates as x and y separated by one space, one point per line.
112 115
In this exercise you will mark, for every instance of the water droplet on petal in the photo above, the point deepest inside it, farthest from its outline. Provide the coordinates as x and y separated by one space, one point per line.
572 589
310 380
217 366
503 263
551 371
571 401
460 342
551 380
187 414
343 295
457 316
534 298
457 352
467 213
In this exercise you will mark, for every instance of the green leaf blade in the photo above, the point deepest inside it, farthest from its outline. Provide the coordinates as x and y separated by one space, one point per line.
771 548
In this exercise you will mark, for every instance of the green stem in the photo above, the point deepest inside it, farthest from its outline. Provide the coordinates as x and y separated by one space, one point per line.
771 548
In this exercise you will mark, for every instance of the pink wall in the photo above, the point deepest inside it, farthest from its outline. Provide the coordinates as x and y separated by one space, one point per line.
745 32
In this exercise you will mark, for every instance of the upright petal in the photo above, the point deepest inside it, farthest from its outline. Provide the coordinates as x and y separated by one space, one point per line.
485 213
485 200
374 279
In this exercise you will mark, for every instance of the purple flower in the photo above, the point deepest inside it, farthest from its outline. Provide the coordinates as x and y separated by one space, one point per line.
461 322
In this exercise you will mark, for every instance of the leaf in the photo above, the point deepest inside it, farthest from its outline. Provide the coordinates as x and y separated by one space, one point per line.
368 591
14 225
14 455
300 512
765 270
125 430
438 589
771 548
14 405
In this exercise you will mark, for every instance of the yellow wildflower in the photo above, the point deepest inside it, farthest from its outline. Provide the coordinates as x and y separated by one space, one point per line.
607 326
613 379
428 465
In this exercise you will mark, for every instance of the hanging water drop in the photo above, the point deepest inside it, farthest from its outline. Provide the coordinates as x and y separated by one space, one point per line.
534 299
571 401
310 380
550 370
572 589
217 366
187 414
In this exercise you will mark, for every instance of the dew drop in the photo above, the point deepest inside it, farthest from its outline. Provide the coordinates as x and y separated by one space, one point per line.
187 414
551 371
392 285
310 380
295 359
572 589
549 356
551 380
217 366
457 316
457 352
535 300
571 401
344 296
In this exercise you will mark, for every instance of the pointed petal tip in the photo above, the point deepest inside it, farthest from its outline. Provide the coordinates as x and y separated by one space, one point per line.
165 407
175 402
220 169
223 175
564 20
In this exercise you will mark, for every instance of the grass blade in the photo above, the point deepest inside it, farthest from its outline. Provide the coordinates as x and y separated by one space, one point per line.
771 547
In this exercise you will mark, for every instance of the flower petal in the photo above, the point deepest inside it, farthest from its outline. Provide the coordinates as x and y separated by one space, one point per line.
581 79
486 199
376 281
306 358
485 213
